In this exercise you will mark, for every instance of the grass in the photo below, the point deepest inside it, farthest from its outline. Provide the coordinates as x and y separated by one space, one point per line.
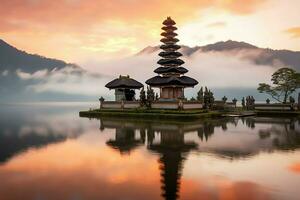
151 113
182 115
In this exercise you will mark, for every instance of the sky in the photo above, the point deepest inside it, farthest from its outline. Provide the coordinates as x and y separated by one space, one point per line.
78 31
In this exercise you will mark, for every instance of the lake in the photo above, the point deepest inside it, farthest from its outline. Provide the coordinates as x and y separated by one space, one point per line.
49 152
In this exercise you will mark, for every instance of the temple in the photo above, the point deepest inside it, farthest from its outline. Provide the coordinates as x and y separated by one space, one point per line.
124 87
170 78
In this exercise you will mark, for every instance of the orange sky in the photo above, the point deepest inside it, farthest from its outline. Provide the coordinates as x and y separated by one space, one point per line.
79 30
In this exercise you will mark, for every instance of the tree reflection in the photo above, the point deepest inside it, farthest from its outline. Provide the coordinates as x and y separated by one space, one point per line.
284 133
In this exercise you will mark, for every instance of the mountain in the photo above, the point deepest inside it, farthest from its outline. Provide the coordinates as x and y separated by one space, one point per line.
31 77
260 56
12 59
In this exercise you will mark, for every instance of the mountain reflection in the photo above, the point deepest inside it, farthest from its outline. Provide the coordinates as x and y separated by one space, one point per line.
25 127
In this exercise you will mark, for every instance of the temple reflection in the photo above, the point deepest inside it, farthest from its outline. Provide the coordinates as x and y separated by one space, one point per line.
125 140
173 150
168 140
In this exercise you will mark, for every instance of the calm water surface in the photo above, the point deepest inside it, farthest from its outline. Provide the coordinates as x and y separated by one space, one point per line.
48 152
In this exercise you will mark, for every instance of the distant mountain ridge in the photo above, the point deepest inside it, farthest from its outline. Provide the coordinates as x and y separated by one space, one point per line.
12 59
263 56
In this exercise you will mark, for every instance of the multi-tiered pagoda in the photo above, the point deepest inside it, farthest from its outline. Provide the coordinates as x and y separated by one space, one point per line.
170 78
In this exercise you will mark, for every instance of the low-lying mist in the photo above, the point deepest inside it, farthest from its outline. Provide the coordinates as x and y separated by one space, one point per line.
230 73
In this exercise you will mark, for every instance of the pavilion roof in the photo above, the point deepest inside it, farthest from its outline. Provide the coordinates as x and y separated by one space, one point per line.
184 81
124 82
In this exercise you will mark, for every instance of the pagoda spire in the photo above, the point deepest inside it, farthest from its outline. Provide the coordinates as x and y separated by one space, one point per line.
170 55
170 78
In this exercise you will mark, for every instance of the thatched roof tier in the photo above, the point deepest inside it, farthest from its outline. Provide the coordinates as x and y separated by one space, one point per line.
170 54
124 82
170 47
170 62
183 81
169 34
179 70
169 40
169 22
124 146
169 28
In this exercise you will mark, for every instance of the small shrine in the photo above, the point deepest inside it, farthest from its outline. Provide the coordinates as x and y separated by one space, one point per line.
124 87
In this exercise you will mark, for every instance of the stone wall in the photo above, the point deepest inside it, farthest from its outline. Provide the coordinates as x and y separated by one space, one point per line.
111 104
169 105
120 104
173 105
273 107
192 105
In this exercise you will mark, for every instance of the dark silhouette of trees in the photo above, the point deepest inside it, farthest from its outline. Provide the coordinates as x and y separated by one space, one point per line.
200 95
285 80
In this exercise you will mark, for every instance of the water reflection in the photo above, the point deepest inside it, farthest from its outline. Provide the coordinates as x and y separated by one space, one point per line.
253 134
49 153
268 134
26 126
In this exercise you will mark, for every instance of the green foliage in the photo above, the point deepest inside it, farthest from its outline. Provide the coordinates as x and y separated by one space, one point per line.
208 98
224 99
243 102
292 100
192 99
156 96
200 95
234 100
285 81
150 96
142 97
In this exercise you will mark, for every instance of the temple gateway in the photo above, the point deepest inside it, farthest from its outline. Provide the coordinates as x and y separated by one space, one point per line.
170 79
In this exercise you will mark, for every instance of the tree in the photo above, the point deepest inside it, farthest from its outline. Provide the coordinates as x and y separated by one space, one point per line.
150 96
200 95
211 98
243 102
156 96
142 97
206 98
224 99
285 81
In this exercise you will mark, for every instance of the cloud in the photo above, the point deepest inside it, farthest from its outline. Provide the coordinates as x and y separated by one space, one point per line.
216 25
214 69
294 32
92 27
241 7
69 80
295 167
36 75
83 14
4 73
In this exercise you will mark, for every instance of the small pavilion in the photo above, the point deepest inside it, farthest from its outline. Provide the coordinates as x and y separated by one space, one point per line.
170 78
124 87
